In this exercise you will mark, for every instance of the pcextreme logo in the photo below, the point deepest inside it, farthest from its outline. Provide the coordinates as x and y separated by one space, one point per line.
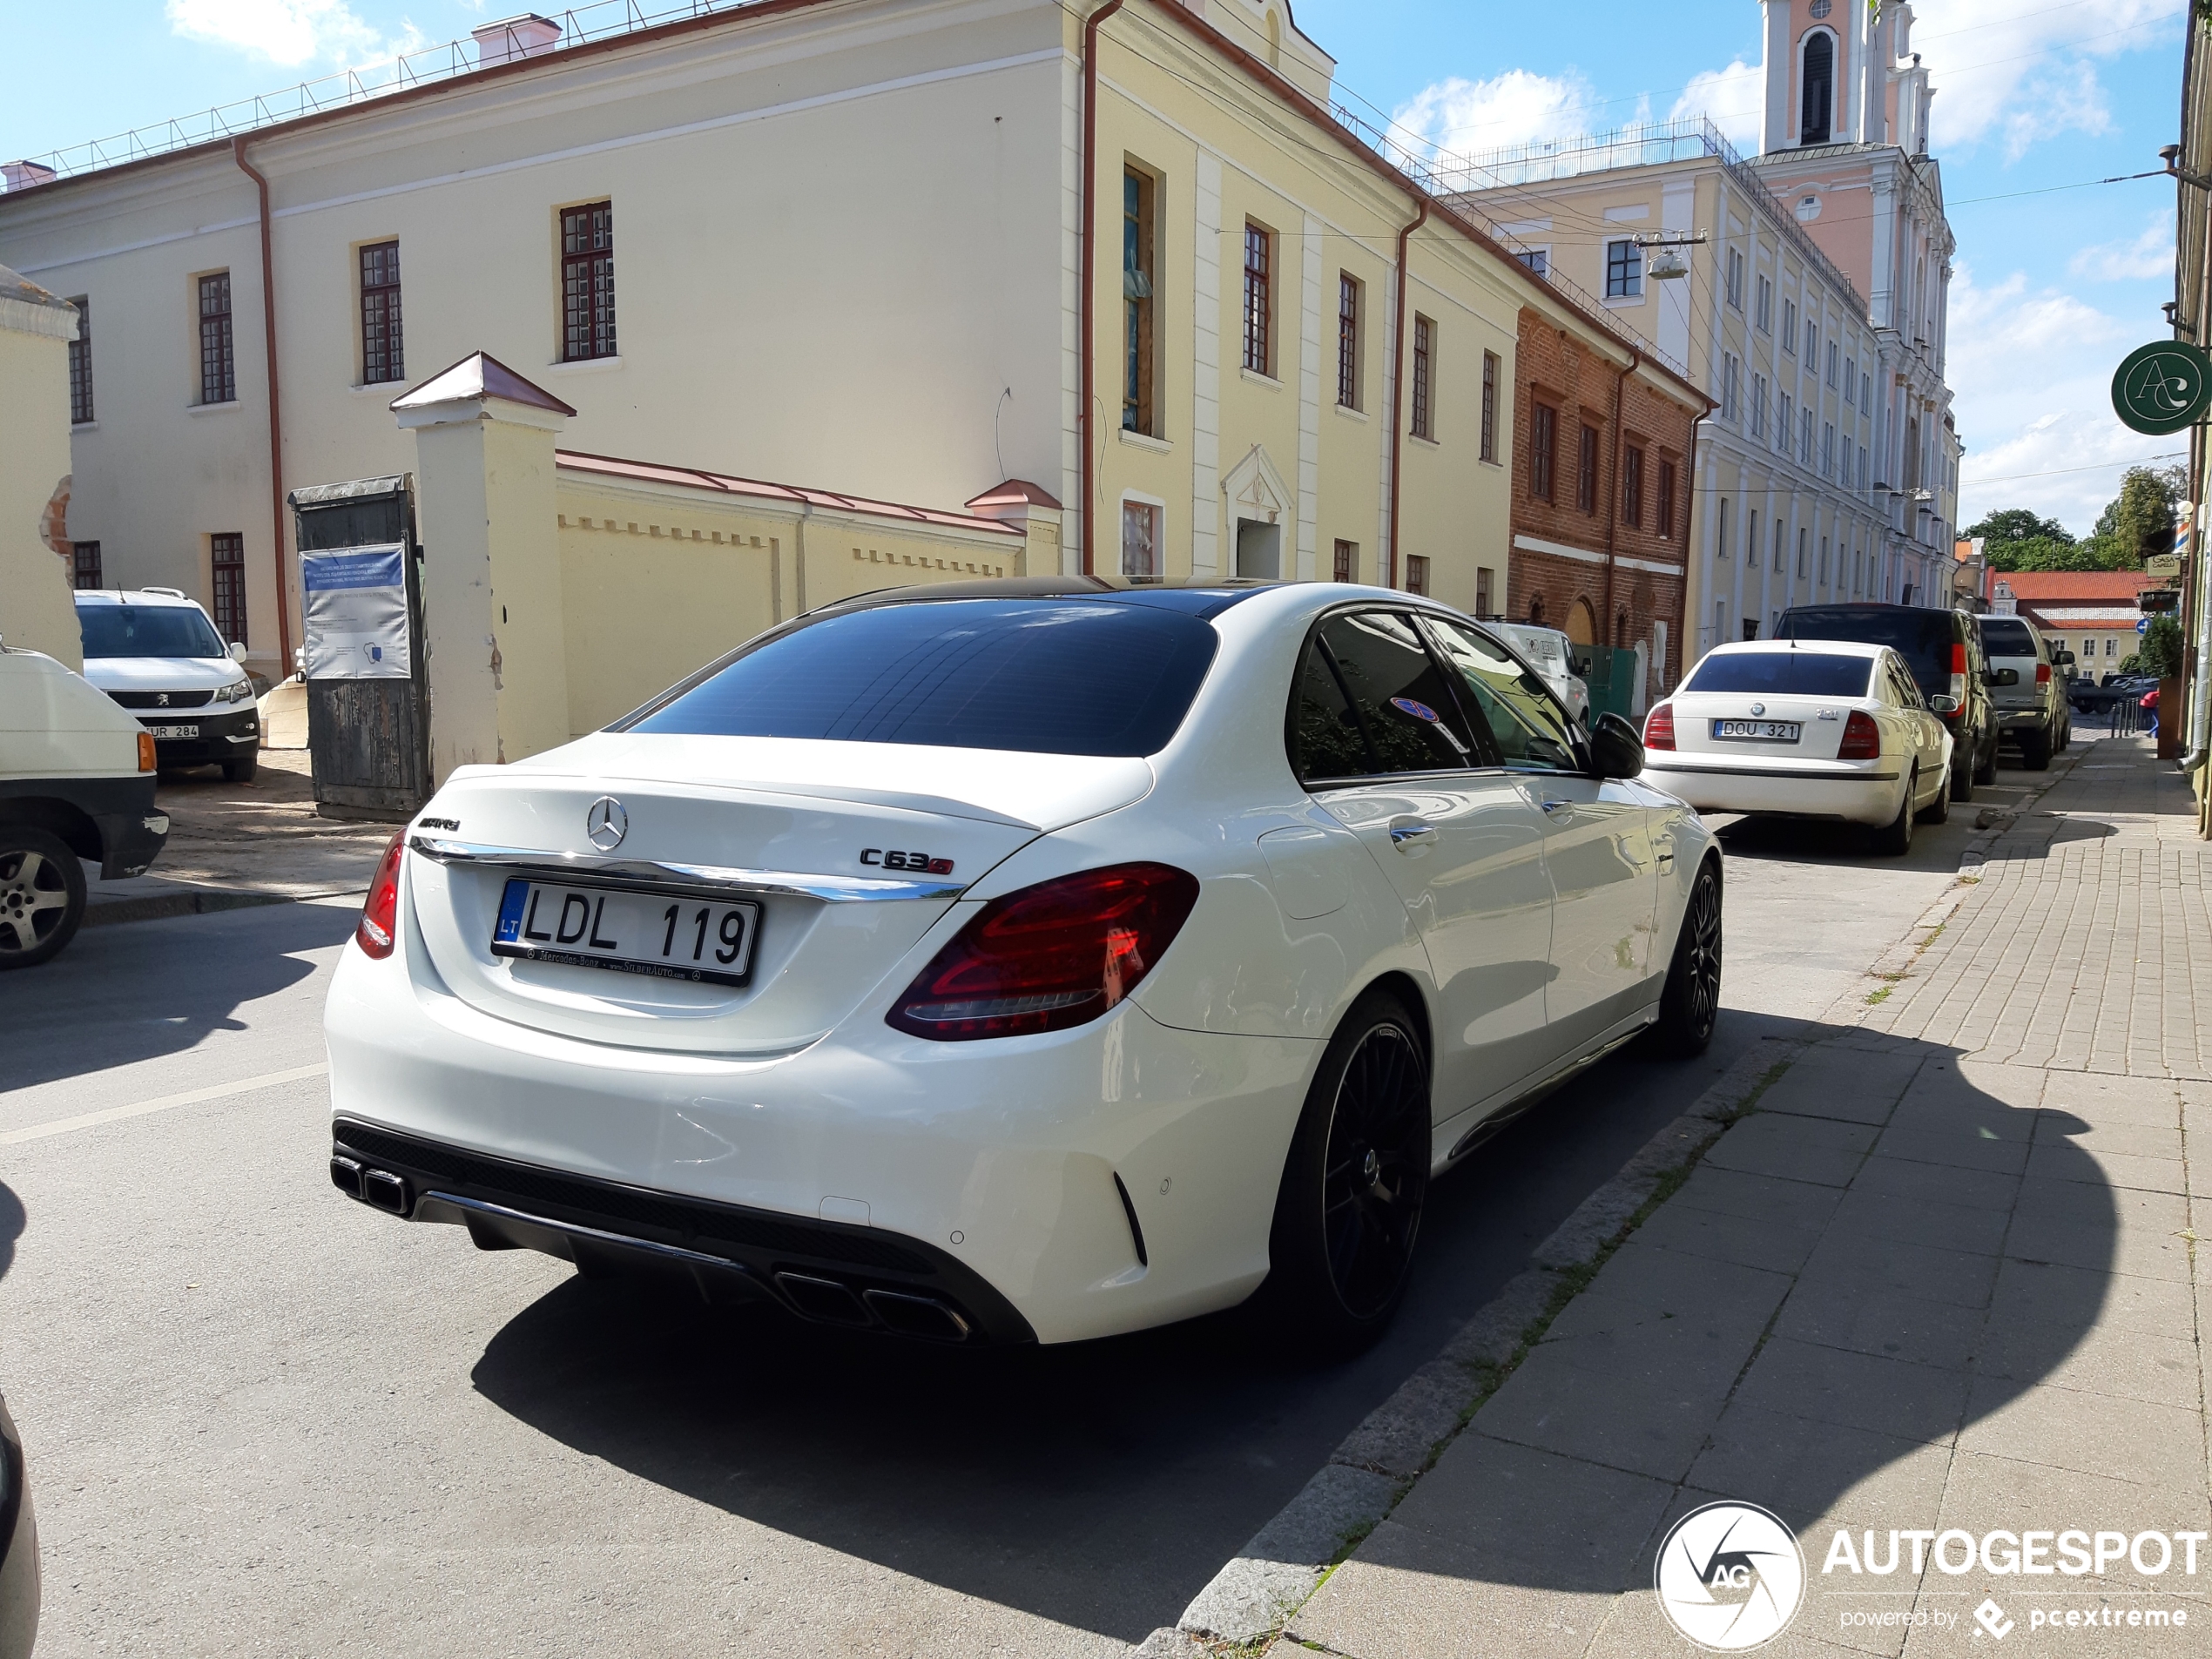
1730 1577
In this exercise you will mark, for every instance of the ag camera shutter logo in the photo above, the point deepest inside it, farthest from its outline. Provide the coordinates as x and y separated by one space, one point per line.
1730 1577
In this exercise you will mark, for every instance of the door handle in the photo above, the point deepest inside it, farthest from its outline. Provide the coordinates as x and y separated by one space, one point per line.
1551 805
1408 834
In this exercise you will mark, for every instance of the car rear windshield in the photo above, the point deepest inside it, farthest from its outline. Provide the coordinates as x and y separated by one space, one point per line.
1783 673
1045 676
1922 637
2006 636
146 631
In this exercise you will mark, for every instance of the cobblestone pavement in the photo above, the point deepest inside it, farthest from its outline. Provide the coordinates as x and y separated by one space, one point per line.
1942 1278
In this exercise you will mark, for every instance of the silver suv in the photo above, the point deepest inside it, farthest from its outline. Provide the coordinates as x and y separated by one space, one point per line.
2031 709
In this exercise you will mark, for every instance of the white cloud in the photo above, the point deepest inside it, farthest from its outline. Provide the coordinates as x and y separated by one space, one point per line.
2034 369
2028 74
1731 98
2150 255
292 32
1517 107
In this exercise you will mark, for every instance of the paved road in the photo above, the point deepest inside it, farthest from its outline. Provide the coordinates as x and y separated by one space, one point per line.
264 1420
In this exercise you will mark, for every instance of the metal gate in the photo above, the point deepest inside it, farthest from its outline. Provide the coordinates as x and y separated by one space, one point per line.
369 739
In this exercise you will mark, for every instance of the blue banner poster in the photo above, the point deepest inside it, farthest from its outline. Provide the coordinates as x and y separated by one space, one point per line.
357 624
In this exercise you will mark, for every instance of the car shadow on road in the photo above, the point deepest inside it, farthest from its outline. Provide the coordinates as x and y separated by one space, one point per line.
1099 1485
1880 1302
11 1225
136 991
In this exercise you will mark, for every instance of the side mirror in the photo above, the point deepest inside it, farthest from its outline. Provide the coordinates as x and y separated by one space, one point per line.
1616 751
2002 677
2063 658
238 651
1941 704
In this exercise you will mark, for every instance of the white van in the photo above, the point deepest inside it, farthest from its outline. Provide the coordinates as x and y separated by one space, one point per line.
155 652
1546 650
76 777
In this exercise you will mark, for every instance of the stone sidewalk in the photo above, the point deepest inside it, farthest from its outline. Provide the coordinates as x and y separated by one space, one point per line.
232 845
1939 1278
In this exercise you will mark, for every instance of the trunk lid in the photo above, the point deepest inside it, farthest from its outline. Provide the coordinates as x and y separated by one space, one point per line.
1819 722
769 807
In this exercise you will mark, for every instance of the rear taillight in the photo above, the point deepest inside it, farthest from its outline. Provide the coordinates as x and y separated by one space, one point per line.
380 923
1958 677
1659 727
2043 673
1048 957
147 759
1958 657
1862 738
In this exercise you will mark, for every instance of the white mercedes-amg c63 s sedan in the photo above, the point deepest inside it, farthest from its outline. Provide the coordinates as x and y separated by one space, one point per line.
1026 961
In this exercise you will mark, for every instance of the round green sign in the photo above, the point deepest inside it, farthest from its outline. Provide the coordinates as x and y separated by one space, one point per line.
2163 386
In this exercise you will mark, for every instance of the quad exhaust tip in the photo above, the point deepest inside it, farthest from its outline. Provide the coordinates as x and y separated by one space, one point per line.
378 1187
834 1303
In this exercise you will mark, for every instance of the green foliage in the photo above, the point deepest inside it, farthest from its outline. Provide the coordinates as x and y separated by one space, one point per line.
2143 509
2018 524
2161 648
2042 553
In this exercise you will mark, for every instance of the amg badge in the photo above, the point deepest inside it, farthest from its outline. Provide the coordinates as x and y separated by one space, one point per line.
920 861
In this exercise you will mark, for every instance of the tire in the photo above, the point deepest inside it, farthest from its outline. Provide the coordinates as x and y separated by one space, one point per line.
1349 1209
1985 770
1896 840
1690 1006
1937 811
2035 749
42 896
241 771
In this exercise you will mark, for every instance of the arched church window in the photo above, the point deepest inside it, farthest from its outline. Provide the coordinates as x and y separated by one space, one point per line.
1819 88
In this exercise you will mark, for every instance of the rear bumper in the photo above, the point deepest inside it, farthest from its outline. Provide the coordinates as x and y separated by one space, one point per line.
826 1271
1712 785
995 1171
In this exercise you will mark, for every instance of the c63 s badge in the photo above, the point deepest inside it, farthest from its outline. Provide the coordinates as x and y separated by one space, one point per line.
921 861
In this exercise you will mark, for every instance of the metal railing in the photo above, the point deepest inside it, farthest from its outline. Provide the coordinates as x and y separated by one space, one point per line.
596 21
1435 182
1641 144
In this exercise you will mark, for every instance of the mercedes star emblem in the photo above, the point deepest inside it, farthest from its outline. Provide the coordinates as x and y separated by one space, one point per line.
1756 708
606 824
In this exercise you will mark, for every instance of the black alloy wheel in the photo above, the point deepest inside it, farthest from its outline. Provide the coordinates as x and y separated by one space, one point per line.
42 896
1375 1175
1349 1210
1690 1006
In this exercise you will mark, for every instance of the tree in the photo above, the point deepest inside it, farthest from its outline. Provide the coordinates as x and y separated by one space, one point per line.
2142 512
2018 524
2161 648
2042 553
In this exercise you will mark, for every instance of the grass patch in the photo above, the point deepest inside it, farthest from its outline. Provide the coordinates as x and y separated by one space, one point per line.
1881 995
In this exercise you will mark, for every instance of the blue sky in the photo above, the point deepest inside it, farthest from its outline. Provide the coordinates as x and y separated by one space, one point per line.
2052 289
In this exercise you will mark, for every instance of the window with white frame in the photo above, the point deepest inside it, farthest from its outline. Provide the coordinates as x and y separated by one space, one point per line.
1790 326
1804 439
1851 377
1762 305
1759 406
1140 537
1736 277
1730 368
1832 349
1623 269
1827 449
1782 422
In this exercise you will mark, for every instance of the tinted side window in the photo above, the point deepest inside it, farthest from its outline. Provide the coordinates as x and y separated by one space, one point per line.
1402 702
1325 738
1528 728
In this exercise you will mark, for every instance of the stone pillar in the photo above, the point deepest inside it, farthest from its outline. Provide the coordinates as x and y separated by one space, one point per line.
491 567
37 612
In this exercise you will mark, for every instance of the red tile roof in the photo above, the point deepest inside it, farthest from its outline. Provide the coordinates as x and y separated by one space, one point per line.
2071 587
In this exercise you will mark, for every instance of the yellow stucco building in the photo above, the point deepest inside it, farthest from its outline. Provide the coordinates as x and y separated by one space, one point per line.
1120 260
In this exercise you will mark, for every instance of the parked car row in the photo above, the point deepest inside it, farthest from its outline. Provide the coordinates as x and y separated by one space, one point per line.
1874 714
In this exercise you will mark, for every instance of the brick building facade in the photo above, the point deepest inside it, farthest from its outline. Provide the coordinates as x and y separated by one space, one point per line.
1600 499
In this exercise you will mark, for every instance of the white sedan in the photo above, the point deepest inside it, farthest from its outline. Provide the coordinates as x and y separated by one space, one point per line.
1027 961
1804 729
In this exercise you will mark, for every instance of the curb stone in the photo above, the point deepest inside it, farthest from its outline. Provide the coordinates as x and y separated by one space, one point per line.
161 905
1256 1593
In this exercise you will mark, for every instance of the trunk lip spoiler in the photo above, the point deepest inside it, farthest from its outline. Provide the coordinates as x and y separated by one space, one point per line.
659 874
